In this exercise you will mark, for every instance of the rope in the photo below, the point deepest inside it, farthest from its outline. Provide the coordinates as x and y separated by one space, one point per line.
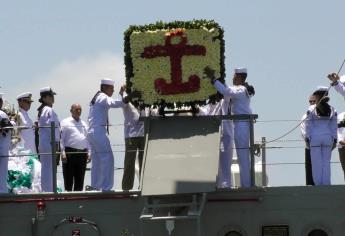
290 131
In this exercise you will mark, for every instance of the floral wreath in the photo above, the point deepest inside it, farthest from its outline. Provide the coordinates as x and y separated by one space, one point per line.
165 62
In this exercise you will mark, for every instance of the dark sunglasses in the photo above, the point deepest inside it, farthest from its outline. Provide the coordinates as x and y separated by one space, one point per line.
27 101
312 101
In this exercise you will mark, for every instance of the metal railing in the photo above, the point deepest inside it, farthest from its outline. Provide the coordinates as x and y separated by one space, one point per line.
253 146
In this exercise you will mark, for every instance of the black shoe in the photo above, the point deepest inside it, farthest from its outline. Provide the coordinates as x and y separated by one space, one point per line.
90 188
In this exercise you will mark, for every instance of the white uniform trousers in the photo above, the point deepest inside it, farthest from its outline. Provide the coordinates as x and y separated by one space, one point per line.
102 169
3 173
320 153
241 133
224 165
46 168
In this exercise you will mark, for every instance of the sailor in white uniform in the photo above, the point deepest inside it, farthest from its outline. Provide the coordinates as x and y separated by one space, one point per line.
226 141
5 142
321 136
240 94
46 115
26 130
102 169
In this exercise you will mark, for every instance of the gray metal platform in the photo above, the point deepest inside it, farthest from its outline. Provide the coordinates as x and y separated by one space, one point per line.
181 155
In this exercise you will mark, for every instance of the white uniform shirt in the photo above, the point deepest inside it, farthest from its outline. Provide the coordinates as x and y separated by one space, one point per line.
48 115
240 99
5 141
98 114
341 130
132 126
27 134
73 134
340 88
316 125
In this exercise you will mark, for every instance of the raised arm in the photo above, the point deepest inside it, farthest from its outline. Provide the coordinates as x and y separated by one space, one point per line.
225 90
336 83
340 88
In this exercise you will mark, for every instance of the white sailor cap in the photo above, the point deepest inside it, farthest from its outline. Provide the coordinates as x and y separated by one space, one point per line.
24 95
47 90
321 91
322 88
241 70
107 81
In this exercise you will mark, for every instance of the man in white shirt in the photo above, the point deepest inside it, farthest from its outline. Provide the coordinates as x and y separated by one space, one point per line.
75 149
26 126
134 142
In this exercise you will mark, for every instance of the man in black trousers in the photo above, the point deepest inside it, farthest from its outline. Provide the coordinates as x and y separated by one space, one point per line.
308 168
75 150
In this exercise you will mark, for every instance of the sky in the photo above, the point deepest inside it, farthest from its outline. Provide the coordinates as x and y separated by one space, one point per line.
288 47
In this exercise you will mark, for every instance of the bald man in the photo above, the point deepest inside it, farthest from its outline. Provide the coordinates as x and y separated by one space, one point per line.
75 149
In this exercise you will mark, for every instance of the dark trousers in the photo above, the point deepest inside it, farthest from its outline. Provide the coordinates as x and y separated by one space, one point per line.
133 145
342 158
308 169
74 169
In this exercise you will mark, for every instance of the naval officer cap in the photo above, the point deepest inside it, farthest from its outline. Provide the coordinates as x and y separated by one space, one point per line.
26 96
241 70
107 81
47 91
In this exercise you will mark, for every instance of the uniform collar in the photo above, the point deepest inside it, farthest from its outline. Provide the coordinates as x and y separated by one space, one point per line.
22 110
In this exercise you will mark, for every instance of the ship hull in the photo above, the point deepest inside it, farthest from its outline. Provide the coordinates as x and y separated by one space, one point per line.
256 211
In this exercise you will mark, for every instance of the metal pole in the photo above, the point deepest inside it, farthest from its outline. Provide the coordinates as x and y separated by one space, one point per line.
252 157
53 145
263 167
147 121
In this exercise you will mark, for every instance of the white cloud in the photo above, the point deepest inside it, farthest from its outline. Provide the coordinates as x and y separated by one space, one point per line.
76 81
73 80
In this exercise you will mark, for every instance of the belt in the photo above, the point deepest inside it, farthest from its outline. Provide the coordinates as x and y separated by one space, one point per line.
75 149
